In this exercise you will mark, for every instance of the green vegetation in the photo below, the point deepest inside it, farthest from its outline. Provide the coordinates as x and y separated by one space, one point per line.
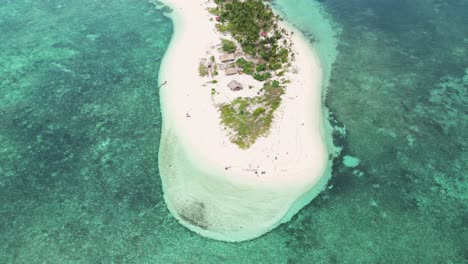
254 26
261 67
214 11
203 70
214 81
251 118
247 66
259 111
262 76
258 72
283 55
229 46
222 28
249 21
245 20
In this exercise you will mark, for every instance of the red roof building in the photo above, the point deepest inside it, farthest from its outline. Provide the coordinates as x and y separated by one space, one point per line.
263 34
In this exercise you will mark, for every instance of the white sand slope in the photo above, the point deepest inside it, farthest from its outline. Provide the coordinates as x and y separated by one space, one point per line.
210 185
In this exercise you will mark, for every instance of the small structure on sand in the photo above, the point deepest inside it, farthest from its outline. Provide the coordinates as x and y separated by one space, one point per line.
230 71
227 57
235 85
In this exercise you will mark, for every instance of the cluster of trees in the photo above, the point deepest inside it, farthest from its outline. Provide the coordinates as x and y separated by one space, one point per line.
246 20
247 66
259 72
262 76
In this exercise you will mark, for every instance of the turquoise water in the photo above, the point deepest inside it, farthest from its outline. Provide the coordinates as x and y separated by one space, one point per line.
80 123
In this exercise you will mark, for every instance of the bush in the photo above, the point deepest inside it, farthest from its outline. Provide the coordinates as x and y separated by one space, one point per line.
202 70
265 55
214 11
275 66
249 71
275 84
229 46
278 34
248 66
283 54
241 62
222 28
262 77
261 67
249 49
259 111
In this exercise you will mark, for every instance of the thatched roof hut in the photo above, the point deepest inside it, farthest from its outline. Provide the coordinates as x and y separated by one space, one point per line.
235 86
230 71
227 57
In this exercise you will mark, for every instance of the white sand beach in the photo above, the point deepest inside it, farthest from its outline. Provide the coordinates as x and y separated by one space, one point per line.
210 185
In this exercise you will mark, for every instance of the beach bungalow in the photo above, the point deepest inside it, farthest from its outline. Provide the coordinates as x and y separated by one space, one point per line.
235 86
263 34
227 58
218 18
230 71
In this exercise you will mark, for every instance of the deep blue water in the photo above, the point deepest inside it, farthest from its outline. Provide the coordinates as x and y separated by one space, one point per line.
80 123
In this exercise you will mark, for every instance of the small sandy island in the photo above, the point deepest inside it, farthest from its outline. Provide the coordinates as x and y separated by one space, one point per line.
211 185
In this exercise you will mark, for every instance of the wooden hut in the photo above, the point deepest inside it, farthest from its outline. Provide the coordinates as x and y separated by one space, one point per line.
230 71
235 86
227 58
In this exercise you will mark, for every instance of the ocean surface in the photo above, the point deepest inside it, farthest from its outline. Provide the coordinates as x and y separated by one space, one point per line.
80 127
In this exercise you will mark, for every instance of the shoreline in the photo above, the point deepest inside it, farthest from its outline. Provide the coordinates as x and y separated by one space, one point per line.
235 205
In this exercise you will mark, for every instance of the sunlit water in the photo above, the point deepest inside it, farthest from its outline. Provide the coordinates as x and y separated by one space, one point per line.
79 132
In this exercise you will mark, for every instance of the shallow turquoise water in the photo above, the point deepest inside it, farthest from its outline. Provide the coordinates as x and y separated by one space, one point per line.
79 131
